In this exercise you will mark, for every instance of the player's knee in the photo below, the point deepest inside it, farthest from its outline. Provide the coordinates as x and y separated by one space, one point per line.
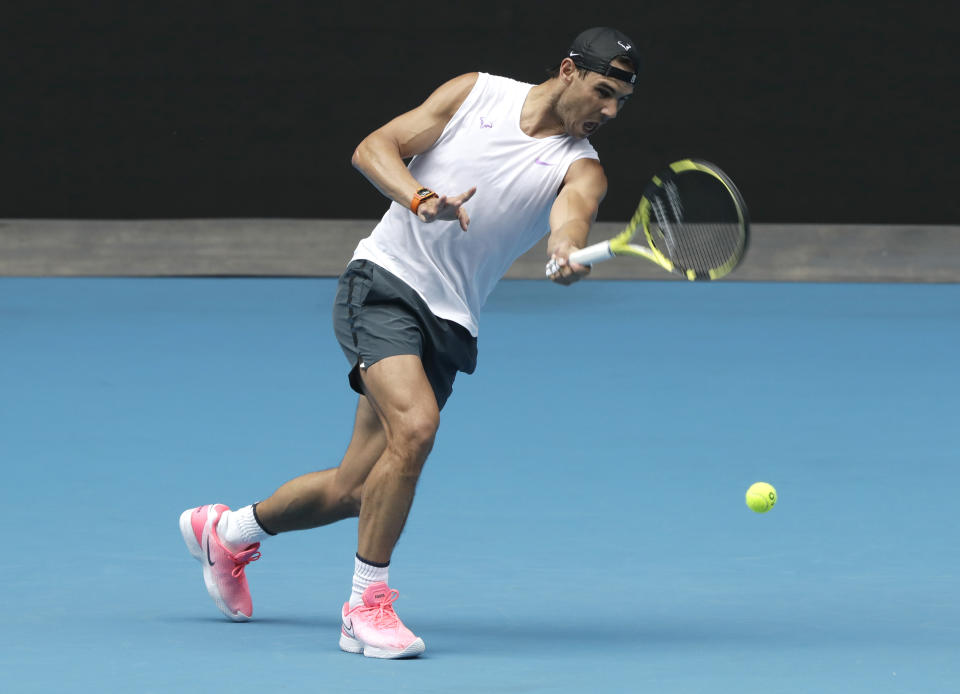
413 441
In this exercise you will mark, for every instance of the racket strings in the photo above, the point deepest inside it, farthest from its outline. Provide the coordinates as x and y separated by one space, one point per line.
667 212
701 247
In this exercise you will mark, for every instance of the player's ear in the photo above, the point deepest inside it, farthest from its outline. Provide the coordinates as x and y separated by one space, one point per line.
568 70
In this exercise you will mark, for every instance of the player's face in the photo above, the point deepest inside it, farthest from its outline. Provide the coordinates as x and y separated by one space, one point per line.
591 101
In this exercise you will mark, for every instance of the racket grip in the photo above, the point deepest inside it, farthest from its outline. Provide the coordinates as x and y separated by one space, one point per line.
596 253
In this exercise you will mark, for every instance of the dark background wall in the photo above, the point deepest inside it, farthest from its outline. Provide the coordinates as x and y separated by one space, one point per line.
822 112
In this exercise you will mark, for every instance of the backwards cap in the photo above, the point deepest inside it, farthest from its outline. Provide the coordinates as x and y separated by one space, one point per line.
595 48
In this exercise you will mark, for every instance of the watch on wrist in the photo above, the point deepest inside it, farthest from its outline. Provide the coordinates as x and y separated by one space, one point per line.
419 197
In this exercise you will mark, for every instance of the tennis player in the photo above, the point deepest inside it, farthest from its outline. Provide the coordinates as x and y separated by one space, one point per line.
496 164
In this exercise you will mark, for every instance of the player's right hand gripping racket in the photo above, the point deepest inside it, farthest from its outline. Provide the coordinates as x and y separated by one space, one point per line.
694 219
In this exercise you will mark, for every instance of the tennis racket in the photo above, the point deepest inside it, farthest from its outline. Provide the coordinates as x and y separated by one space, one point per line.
695 223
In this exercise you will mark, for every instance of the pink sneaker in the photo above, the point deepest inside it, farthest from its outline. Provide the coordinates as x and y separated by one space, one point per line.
375 630
223 571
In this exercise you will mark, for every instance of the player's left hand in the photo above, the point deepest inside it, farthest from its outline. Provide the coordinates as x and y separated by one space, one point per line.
449 207
567 272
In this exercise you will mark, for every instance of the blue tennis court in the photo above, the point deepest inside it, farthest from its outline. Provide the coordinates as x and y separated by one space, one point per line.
580 526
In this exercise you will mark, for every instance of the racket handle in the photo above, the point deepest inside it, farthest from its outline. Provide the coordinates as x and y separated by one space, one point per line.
596 253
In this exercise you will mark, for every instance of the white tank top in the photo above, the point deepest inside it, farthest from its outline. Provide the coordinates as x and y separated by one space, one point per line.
517 179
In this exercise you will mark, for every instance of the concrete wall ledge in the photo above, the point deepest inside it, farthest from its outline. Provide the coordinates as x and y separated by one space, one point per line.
321 248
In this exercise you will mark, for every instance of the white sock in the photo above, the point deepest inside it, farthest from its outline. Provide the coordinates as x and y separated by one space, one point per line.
239 529
365 575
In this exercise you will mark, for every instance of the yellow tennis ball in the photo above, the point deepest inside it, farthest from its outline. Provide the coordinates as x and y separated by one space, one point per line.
761 497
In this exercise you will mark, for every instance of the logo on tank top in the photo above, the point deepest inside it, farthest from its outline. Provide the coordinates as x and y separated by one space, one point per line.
485 122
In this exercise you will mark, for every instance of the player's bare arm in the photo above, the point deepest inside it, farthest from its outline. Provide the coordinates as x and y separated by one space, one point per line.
574 210
379 157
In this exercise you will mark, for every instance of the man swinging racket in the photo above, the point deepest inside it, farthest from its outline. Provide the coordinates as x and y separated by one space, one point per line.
496 164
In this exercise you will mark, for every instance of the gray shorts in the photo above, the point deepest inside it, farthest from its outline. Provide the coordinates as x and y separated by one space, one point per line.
378 315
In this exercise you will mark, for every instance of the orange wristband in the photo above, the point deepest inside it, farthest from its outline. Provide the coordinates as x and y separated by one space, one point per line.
419 197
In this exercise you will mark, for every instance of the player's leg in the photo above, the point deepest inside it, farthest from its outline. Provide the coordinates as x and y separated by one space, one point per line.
319 498
399 391
225 541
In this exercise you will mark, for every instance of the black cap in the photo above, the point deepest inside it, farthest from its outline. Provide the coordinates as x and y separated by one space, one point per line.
594 48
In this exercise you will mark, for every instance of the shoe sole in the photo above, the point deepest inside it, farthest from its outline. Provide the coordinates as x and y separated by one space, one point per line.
354 646
189 539
196 551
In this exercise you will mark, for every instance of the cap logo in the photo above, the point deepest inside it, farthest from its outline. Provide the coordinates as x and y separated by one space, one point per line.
624 46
